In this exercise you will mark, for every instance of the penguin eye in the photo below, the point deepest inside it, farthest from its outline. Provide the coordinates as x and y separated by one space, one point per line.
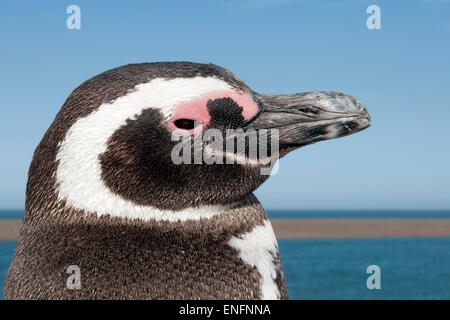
185 124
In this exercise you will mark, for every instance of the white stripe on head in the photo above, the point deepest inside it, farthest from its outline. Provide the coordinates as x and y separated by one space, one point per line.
78 176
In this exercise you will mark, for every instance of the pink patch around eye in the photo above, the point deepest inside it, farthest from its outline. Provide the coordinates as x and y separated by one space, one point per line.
197 110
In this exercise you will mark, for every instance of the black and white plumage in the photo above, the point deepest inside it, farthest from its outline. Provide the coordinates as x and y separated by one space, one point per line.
103 193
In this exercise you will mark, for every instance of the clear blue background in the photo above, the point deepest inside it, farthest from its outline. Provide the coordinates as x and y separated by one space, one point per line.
401 73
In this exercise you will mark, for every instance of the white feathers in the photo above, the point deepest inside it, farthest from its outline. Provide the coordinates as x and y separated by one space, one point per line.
258 249
78 176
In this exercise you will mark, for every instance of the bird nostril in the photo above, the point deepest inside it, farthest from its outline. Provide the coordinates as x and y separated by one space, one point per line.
308 110
185 124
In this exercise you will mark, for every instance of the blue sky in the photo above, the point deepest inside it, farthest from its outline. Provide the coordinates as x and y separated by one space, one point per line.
401 73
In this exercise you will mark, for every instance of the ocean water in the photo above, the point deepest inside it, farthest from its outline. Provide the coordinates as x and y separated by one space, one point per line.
6 254
411 268
352 214
318 214
11 214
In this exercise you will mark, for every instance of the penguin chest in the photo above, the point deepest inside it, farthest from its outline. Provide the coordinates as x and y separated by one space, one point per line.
259 249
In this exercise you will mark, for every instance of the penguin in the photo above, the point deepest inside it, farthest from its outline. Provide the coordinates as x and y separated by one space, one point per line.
105 198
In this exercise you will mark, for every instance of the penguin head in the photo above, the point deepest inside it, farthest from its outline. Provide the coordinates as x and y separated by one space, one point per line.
120 136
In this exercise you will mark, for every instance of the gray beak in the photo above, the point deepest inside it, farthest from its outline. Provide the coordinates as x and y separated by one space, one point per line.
309 117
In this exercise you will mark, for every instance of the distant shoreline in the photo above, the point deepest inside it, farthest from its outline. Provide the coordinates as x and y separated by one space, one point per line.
321 228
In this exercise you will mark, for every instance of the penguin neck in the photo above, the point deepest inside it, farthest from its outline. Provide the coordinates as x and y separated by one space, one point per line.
237 247
226 220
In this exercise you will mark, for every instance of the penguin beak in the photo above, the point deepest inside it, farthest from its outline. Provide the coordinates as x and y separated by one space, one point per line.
310 117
